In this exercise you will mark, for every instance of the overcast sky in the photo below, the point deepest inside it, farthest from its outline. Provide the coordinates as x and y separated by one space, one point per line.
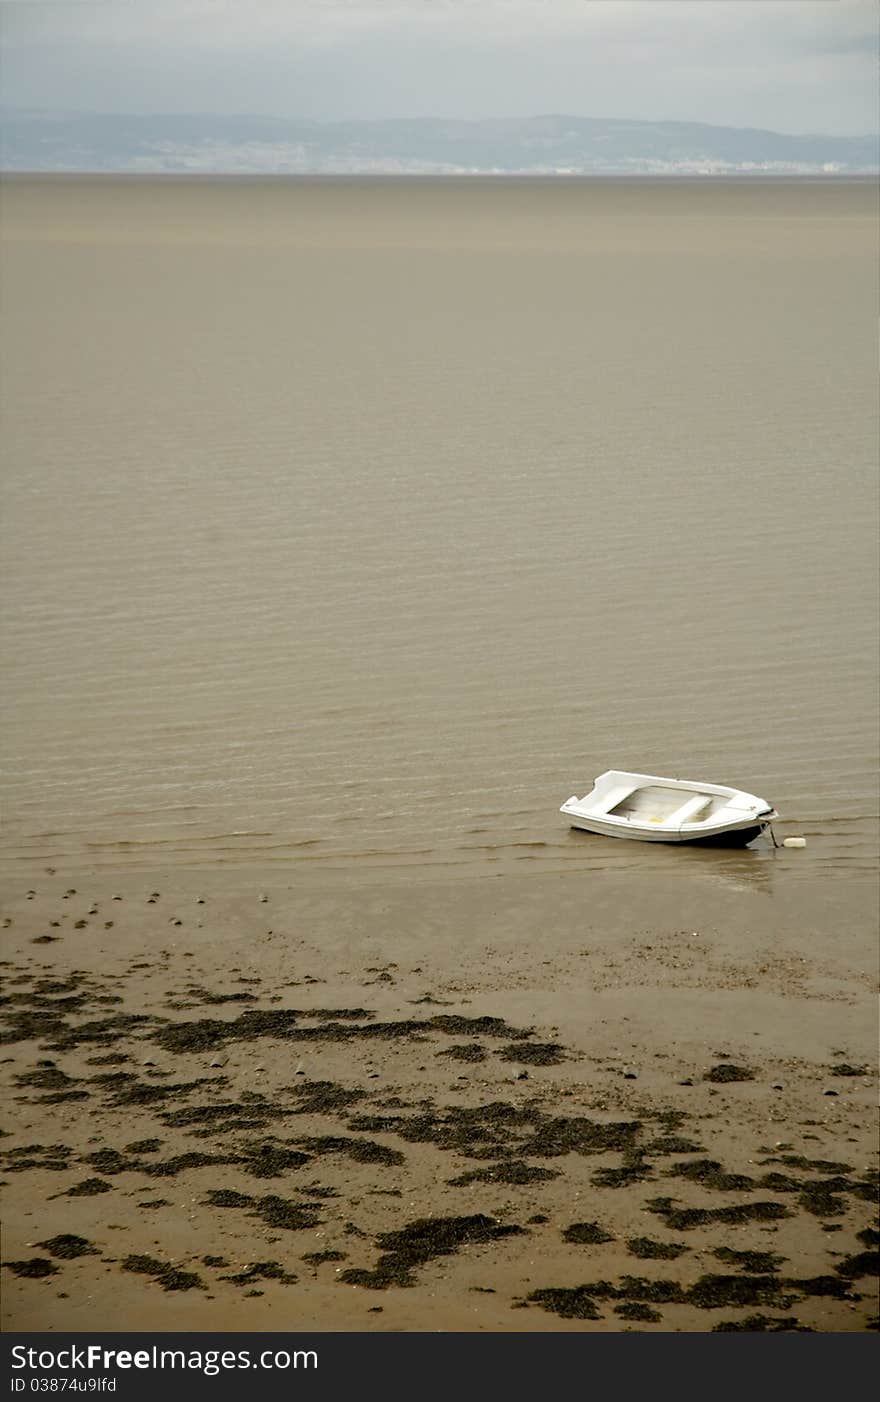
789 65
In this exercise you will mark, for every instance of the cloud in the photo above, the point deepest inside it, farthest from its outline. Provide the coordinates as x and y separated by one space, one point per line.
797 64
829 25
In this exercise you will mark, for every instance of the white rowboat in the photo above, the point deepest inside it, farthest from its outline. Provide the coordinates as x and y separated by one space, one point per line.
652 809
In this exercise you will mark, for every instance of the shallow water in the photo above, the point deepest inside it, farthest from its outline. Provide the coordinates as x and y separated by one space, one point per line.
357 524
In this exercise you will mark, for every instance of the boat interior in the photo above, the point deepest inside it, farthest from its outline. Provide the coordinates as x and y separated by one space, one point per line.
657 804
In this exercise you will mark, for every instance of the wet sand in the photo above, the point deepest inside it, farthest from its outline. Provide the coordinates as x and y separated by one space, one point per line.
239 1100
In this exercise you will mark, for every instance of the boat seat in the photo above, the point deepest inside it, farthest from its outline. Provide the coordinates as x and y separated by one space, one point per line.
694 810
613 797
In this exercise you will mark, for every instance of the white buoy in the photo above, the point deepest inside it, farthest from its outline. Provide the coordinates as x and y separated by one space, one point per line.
794 842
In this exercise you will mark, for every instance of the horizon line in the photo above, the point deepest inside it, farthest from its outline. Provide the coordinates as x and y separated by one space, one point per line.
66 112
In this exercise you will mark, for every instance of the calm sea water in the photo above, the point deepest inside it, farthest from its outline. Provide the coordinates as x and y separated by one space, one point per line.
357 524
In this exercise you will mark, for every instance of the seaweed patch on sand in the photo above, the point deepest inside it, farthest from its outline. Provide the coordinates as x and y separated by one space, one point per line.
360 1150
709 1292
163 1273
534 1053
754 1262
35 1268
499 1128
464 1051
507 1171
457 1158
261 1270
635 1310
762 1324
275 1211
89 1188
286 1025
727 1071
67 1246
54 1158
648 1250
586 1234
419 1242
684 1219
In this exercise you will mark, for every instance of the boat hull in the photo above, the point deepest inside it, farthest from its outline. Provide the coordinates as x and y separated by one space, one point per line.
740 837
727 837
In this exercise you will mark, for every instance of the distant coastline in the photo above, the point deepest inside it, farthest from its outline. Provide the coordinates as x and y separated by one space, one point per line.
548 146
268 177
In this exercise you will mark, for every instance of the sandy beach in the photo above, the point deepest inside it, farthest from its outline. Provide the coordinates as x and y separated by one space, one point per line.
243 1101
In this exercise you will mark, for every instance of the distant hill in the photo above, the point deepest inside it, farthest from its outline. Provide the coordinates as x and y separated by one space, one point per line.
42 141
